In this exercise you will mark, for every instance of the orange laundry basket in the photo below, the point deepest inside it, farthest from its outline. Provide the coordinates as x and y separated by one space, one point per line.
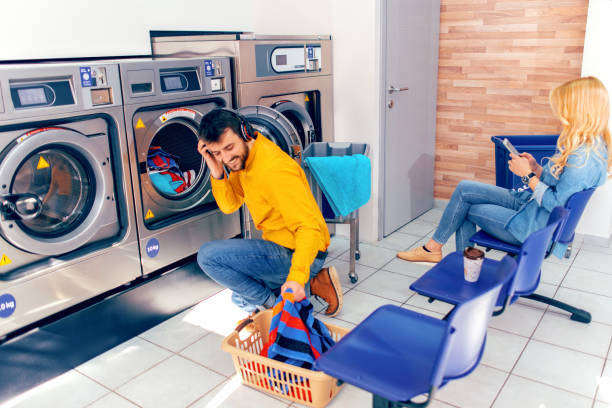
311 388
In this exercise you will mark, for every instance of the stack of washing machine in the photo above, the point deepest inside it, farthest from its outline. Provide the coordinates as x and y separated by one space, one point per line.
100 179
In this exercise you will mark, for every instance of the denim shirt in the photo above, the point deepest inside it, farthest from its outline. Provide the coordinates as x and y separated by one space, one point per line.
585 169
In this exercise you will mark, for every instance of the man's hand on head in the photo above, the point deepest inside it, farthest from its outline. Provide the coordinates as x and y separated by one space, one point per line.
214 165
298 290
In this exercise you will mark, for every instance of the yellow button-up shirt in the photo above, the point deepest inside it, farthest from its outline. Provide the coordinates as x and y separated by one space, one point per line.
277 194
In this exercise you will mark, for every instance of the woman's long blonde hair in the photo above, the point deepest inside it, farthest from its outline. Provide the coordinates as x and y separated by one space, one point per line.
583 107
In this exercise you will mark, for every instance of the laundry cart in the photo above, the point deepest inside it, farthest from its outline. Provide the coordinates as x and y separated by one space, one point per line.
325 149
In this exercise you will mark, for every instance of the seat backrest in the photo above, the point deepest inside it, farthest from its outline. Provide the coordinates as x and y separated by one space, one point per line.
468 322
575 204
531 256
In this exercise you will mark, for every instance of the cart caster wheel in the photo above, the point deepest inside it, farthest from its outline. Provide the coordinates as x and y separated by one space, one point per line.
357 255
353 279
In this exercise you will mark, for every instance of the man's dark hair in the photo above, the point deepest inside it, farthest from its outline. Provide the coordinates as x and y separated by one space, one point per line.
214 124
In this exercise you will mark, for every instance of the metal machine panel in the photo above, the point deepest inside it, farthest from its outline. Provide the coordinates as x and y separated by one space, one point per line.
173 225
257 58
89 126
147 76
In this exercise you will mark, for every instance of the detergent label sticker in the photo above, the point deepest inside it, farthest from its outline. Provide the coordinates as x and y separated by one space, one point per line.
178 113
152 247
209 70
86 78
8 304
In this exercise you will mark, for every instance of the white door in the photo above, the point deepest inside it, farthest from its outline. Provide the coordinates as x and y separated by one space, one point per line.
410 41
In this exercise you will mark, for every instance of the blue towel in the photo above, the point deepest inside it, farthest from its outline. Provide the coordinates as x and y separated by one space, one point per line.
345 180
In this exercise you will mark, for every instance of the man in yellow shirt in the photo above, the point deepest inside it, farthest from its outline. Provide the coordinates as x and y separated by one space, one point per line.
276 192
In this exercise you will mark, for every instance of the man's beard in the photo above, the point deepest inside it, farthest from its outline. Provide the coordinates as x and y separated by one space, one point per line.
237 163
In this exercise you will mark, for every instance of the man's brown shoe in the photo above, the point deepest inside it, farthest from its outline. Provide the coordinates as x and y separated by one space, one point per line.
326 285
419 254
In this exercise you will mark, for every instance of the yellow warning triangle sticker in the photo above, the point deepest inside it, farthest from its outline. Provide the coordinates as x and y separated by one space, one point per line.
140 124
42 163
5 260
306 98
149 215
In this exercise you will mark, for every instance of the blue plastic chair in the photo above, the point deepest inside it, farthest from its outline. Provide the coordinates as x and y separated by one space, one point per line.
398 354
525 282
529 260
565 235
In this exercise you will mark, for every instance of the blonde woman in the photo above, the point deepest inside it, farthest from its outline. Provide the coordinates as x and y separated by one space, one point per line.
582 160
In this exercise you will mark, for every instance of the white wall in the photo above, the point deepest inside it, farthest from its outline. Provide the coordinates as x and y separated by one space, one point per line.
292 17
356 35
597 61
38 29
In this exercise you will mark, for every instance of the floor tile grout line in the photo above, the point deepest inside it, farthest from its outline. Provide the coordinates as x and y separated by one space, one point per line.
142 372
207 367
554 345
113 391
586 291
118 395
382 297
602 372
550 385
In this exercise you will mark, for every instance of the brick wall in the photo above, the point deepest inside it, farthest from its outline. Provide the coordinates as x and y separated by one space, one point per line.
498 61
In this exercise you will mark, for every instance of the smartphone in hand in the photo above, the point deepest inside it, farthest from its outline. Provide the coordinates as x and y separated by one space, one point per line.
510 147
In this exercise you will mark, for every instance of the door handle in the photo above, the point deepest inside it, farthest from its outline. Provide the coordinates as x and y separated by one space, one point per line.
394 89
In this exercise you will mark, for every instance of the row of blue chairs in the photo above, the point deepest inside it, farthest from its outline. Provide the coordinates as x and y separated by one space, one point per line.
398 354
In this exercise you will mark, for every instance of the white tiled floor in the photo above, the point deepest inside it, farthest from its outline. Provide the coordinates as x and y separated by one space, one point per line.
535 355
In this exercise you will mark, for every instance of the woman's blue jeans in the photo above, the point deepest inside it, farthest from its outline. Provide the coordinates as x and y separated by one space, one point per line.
253 269
477 204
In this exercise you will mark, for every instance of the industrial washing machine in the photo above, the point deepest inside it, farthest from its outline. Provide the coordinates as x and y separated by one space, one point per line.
164 102
292 74
67 227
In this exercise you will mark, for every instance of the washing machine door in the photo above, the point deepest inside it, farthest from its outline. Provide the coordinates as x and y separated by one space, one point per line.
299 118
276 127
174 178
69 174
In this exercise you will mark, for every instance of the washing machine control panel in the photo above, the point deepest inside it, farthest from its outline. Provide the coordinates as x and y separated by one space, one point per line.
30 89
181 80
169 79
44 93
282 59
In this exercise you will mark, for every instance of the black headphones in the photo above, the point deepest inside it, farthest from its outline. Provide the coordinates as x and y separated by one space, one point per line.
246 130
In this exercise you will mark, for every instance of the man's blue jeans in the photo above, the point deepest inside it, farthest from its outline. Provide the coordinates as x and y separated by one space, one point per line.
477 204
253 269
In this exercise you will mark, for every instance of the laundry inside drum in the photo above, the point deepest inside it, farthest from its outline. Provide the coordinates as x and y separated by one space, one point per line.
174 164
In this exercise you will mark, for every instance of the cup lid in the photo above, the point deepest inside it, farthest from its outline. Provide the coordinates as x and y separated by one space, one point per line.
473 253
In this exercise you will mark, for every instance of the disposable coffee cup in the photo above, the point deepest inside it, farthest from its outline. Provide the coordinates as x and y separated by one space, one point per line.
472 263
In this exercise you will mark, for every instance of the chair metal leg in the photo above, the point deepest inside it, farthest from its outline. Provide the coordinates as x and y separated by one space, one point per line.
578 315
380 402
